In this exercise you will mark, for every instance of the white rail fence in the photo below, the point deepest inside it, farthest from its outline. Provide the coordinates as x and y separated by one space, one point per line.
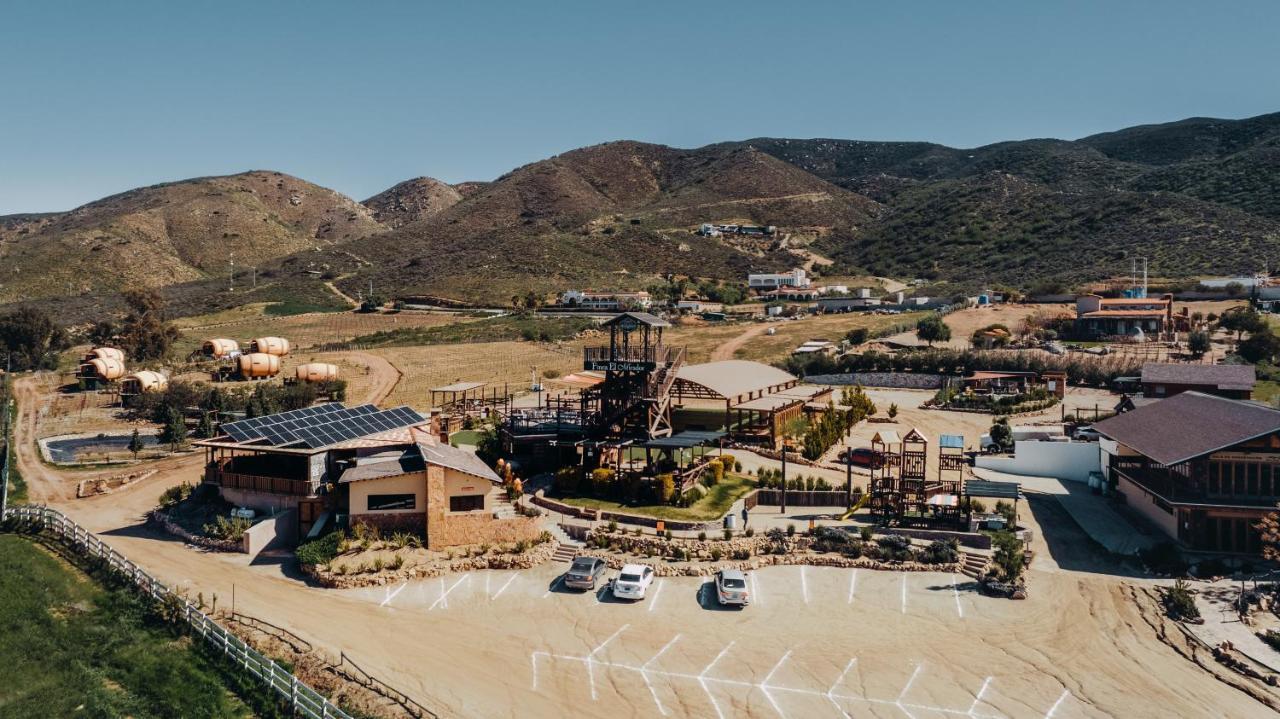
302 699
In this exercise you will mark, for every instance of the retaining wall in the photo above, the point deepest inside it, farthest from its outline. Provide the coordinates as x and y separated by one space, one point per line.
279 530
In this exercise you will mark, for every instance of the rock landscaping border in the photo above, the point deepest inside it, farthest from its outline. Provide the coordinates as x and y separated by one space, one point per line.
538 554
161 519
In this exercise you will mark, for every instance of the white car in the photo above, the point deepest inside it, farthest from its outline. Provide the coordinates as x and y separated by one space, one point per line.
632 581
731 587
1088 434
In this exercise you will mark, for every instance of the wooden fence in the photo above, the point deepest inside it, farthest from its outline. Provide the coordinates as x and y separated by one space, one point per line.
301 699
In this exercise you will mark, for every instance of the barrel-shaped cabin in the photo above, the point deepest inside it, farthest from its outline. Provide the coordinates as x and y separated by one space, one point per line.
142 382
316 372
277 346
101 370
104 353
258 365
219 348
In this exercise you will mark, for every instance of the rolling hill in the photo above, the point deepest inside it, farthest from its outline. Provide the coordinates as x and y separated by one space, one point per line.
175 232
1197 196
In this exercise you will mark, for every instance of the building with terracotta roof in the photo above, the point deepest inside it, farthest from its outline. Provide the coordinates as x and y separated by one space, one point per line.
1202 468
1126 317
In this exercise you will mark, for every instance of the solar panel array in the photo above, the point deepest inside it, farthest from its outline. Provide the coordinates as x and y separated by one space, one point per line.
321 426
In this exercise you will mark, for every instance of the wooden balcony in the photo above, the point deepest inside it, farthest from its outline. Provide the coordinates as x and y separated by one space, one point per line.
259 483
624 359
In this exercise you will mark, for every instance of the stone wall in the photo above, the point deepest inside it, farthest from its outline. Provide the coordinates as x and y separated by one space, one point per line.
160 519
524 560
415 523
481 528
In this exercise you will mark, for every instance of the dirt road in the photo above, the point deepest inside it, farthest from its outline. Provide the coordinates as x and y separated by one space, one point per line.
727 350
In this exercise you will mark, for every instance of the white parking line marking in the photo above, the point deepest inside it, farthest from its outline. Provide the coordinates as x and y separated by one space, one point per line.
591 661
804 584
764 685
755 590
443 600
956 593
853 585
904 593
657 591
553 586
392 595
644 673
977 698
831 693
1054 709
503 588
704 679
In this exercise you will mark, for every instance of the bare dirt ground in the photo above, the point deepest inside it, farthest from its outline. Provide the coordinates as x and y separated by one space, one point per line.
964 323
817 642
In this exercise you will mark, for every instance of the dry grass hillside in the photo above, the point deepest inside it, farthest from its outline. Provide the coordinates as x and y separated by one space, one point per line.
619 214
175 232
412 200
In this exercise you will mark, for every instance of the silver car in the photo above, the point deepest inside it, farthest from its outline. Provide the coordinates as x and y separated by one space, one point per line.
731 587
584 573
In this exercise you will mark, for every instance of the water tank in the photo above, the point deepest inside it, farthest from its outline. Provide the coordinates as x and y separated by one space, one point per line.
219 348
107 369
257 365
316 372
144 381
277 346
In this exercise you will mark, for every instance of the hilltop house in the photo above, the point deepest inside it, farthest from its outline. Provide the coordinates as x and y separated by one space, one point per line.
764 282
1204 469
606 301
1102 317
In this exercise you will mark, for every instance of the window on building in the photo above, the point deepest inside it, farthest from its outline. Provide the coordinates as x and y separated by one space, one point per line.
466 503
383 502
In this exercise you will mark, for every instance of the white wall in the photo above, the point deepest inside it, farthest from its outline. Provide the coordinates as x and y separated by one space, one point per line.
1064 460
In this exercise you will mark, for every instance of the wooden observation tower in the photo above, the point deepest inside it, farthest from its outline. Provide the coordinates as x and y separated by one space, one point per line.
634 401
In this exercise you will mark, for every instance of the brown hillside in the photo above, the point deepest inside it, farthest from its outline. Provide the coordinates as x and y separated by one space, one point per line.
618 214
175 232
412 200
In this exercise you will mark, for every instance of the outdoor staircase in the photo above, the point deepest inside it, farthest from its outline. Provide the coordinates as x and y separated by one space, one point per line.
972 565
566 547
502 507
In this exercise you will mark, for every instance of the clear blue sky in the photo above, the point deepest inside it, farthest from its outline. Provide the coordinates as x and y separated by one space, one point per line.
99 97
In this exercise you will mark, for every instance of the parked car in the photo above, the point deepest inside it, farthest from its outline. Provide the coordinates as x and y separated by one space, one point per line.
1087 433
863 457
584 573
731 587
632 581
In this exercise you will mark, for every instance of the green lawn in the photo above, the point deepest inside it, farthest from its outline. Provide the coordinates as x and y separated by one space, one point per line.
72 647
713 506
1266 391
465 436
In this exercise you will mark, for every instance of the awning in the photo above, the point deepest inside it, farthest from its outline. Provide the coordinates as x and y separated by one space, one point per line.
943 500
685 440
951 441
992 490
459 387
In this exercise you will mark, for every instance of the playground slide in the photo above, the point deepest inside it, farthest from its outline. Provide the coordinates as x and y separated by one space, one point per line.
862 502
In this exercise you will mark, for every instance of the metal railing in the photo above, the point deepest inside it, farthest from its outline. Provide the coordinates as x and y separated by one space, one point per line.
301 699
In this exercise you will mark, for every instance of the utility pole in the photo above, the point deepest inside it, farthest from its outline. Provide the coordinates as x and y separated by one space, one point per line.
231 284
255 277
784 477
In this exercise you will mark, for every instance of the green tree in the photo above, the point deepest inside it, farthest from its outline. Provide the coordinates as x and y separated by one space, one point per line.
858 335
932 329
1001 434
29 339
135 443
1008 556
174 431
1261 346
205 429
1198 343
893 411
146 332
1242 320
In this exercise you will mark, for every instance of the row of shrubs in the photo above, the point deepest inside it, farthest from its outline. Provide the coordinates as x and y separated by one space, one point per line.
890 547
772 479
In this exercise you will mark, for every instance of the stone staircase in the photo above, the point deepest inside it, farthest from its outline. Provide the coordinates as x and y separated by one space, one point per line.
973 565
502 507
566 547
